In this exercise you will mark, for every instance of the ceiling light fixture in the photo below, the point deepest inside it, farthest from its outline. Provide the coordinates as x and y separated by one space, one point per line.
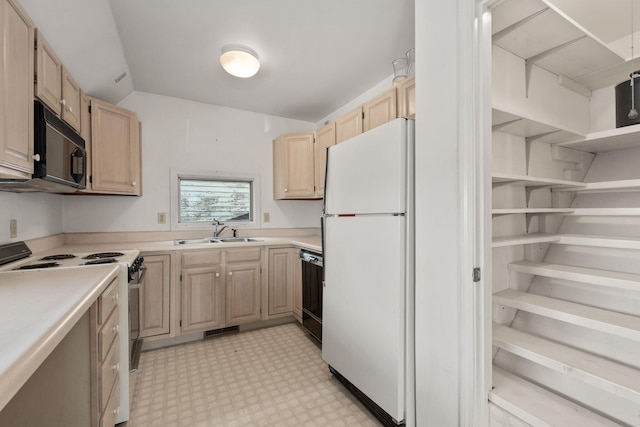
239 61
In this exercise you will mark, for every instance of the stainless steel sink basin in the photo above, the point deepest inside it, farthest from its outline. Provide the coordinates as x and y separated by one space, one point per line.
235 239
216 240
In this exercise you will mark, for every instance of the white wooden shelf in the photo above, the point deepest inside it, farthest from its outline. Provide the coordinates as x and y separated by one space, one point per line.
607 375
525 127
609 322
603 186
613 279
613 139
542 35
532 211
617 242
605 212
527 239
498 178
539 407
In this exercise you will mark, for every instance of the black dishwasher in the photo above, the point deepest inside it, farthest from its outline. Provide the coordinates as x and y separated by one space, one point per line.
312 263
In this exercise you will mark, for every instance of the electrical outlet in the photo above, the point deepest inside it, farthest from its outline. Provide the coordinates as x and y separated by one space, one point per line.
13 228
266 217
162 217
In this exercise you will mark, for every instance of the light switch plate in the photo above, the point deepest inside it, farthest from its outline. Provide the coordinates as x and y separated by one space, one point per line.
162 217
13 228
266 217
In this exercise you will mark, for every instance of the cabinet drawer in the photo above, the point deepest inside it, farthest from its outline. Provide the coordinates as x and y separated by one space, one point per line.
201 258
107 334
111 409
108 373
107 301
250 254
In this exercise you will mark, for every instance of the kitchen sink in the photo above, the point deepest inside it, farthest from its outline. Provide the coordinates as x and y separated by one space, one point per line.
216 240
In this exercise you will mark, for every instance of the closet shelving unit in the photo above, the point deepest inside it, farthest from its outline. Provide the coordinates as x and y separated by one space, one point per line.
542 35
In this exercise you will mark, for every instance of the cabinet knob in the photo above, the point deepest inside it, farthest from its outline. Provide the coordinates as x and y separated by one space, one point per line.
36 157
286 189
115 329
217 274
115 297
63 101
133 184
231 273
115 411
69 109
116 366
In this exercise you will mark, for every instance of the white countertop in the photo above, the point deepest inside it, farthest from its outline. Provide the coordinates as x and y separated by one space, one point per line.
309 242
37 309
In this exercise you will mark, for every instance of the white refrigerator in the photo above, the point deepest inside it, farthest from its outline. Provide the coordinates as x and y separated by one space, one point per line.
368 327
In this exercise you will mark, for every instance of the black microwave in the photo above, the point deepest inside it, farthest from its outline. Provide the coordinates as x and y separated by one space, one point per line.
59 152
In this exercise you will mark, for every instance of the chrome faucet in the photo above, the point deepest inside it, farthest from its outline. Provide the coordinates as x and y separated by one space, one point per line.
216 232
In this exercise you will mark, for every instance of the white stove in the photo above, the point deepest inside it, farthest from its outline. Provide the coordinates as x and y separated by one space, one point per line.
18 257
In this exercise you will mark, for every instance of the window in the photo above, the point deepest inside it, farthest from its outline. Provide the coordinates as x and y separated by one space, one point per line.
203 199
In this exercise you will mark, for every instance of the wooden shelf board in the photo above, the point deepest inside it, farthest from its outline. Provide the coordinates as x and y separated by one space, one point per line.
617 242
525 127
609 322
534 211
607 375
537 406
605 212
613 279
533 181
537 37
527 239
608 140
603 186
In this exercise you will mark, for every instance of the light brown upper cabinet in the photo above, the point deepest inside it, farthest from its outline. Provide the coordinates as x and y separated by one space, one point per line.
54 86
379 110
407 98
16 89
349 125
325 138
115 150
293 166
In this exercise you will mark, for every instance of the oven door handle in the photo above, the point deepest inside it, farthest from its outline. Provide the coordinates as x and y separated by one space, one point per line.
137 283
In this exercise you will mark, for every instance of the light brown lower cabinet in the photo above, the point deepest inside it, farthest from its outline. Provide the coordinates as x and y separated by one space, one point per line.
154 296
202 298
281 280
297 288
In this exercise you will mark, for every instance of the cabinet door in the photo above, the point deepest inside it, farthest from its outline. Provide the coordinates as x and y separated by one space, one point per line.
115 150
202 299
154 296
380 110
293 169
70 100
48 75
407 98
349 125
325 138
281 281
297 288
16 91
243 293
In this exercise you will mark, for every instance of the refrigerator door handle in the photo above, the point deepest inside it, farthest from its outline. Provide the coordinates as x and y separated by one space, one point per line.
323 224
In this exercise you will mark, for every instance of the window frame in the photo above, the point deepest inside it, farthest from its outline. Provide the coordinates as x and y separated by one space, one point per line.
176 176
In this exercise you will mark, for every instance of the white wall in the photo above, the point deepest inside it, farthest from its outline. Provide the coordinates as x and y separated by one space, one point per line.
38 215
191 136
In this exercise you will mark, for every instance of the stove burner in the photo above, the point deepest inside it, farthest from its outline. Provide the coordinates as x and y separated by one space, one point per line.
101 261
57 257
40 265
103 255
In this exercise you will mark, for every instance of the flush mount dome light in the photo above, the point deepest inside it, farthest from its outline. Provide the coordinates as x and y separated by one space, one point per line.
239 61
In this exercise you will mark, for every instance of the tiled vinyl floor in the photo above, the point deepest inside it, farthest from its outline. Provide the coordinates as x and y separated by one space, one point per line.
267 377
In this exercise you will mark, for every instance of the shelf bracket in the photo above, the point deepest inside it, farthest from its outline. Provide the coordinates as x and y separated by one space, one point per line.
540 135
529 62
500 34
505 124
